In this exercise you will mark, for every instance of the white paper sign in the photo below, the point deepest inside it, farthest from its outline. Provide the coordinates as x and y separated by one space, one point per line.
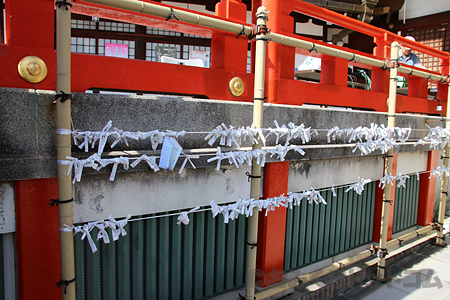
117 50
170 152
200 54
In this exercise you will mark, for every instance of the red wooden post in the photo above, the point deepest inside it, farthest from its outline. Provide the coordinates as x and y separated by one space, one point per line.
379 204
38 257
280 58
334 71
272 229
227 51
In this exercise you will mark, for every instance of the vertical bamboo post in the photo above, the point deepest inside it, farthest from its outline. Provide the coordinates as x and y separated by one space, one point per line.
63 140
381 273
258 109
444 182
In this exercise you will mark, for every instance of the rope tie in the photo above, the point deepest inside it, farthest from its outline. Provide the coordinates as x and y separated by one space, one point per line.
56 202
251 176
313 48
63 97
64 283
171 15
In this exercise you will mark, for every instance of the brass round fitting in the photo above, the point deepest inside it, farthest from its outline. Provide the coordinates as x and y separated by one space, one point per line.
236 86
32 69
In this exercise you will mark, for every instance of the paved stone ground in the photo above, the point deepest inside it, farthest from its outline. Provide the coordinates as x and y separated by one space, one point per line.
422 275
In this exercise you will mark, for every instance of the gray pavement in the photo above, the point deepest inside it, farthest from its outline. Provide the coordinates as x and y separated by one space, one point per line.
422 275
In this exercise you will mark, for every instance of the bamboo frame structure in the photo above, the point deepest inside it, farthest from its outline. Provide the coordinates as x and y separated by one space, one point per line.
64 144
444 183
381 272
258 109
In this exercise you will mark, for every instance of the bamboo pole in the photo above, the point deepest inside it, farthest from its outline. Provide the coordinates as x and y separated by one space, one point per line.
381 272
444 182
63 139
258 109
177 14
214 23
409 236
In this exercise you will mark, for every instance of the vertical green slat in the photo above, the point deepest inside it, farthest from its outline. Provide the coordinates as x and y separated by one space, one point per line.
220 256
295 236
344 221
175 259
79 265
188 254
405 209
338 229
123 267
357 221
328 198
353 216
107 269
321 230
163 258
309 225
303 207
288 240
315 231
410 201
364 200
370 210
348 227
199 238
92 268
416 197
241 248
137 259
231 254
397 211
333 204
151 248
209 255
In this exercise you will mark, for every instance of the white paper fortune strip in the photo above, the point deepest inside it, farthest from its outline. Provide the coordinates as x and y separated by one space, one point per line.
373 138
358 186
183 217
117 229
438 137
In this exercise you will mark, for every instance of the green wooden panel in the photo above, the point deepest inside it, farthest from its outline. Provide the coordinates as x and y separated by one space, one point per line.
241 251
107 270
406 204
338 228
79 267
175 259
219 284
288 240
123 267
302 234
332 203
308 230
199 239
344 223
151 259
230 260
209 258
137 259
315 231
327 215
188 254
295 236
92 270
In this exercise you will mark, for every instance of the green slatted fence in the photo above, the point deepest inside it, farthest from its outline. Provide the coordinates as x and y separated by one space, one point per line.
158 259
315 232
406 202
2 267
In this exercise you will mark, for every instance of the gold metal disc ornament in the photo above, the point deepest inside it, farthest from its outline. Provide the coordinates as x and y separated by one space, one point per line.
236 86
32 69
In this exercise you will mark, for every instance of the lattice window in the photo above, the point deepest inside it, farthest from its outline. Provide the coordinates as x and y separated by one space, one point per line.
150 50
115 26
437 37
83 24
159 31
82 45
